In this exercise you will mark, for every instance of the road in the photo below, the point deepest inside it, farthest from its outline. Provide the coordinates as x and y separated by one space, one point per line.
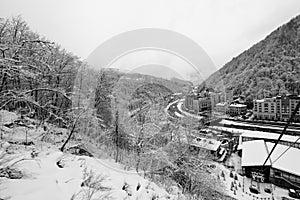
175 110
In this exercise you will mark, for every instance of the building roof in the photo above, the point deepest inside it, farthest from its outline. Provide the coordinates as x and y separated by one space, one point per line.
205 143
255 152
238 105
289 96
267 135
259 100
256 133
268 99
221 104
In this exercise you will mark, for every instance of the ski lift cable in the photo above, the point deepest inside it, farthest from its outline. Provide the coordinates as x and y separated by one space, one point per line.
286 150
283 132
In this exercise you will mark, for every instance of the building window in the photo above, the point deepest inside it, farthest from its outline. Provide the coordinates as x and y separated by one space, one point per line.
285 175
277 173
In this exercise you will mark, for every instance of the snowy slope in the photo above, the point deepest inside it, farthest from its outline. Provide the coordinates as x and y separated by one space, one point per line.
43 179
53 175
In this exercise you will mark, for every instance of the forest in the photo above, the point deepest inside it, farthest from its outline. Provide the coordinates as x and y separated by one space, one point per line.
269 68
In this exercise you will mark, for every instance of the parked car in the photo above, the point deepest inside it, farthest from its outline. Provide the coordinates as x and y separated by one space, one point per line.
294 193
254 189
268 190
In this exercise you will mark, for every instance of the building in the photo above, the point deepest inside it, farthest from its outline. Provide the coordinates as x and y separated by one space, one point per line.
204 103
197 104
221 107
217 97
282 168
209 147
278 108
188 102
237 109
265 109
206 143
285 107
229 96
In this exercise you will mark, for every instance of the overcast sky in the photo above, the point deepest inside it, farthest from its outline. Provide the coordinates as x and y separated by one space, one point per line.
223 28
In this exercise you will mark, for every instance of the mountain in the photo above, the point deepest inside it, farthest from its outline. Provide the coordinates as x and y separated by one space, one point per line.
157 71
270 67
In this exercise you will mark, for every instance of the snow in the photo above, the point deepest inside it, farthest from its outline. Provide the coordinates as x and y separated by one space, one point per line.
221 104
260 100
237 106
289 162
45 180
255 153
178 114
7 117
168 106
209 144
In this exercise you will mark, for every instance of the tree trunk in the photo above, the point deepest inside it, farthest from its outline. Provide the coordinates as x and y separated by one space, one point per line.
71 133
117 136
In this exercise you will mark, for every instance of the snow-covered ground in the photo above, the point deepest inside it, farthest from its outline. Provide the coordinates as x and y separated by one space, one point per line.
43 179
52 174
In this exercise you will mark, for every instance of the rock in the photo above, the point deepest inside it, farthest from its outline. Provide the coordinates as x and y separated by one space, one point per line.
29 143
138 187
79 150
34 153
60 164
126 187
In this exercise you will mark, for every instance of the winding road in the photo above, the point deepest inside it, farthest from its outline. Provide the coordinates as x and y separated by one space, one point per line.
174 110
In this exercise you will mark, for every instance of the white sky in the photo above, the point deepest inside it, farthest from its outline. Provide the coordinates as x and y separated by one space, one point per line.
223 28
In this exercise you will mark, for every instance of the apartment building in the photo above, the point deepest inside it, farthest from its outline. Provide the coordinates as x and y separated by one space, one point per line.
265 109
276 108
197 104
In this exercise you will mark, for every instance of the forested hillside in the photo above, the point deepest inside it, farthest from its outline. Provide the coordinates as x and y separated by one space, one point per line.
268 68
123 90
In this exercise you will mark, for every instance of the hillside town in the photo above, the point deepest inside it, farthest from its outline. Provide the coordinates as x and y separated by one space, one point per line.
277 108
242 138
